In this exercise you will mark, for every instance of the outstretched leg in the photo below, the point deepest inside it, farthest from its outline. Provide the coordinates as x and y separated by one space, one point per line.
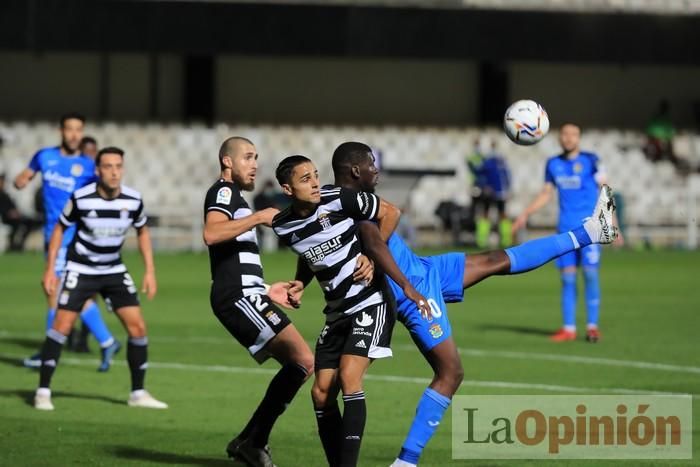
533 254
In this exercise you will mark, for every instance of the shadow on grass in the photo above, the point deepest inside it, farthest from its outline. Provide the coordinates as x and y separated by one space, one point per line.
516 329
141 454
28 396
24 342
16 362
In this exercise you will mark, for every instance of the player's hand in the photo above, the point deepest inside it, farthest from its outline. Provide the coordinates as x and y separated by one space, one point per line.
520 222
286 294
266 215
420 301
364 270
620 240
49 282
149 286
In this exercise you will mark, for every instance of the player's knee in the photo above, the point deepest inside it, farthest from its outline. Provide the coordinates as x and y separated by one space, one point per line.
451 376
319 395
349 383
590 274
306 363
136 329
568 277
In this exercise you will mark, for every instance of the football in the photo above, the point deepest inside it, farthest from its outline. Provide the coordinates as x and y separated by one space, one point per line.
525 122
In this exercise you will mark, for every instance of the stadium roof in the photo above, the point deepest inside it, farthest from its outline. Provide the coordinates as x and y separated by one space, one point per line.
653 7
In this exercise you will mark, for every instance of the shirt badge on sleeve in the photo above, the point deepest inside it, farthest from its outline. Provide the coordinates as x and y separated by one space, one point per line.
223 196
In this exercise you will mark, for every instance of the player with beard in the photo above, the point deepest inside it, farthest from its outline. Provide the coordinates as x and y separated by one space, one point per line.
243 303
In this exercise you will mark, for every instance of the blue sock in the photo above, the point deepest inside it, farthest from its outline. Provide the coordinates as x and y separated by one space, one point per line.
592 294
431 408
568 298
50 315
93 320
535 253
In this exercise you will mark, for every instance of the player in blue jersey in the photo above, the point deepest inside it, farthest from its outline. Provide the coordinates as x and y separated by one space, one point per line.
442 279
577 176
63 170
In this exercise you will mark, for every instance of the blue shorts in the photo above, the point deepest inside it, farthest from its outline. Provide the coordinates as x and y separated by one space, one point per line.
440 283
588 257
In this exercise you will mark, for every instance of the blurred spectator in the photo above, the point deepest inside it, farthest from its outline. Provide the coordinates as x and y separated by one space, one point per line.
20 225
491 187
660 132
406 229
88 146
496 192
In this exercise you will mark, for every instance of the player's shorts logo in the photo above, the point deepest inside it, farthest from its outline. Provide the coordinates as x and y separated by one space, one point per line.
365 321
435 331
324 331
273 318
76 170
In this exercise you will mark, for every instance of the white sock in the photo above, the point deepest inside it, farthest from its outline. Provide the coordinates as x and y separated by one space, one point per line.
107 343
138 393
592 326
44 392
400 463
570 328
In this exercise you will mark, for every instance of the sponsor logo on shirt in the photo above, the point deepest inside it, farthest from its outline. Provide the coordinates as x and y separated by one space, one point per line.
56 180
319 252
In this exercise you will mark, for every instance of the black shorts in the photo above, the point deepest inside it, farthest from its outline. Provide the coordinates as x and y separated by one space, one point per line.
118 290
366 333
253 320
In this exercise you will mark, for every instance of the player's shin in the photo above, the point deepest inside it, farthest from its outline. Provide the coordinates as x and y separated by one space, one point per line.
330 430
279 395
50 315
354 418
590 275
431 408
137 357
534 253
50 354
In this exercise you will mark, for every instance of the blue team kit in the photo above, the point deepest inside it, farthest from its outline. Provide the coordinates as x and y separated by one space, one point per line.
575 179
439 280
61 176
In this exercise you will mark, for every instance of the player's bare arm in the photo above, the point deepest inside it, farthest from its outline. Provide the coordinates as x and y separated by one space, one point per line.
24 178
541 200
218 227
376 248
50 280
149 286
388 217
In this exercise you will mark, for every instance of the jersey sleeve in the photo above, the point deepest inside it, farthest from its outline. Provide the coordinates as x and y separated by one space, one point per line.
140 218
359 205
223 199
548 175
35 163
69 215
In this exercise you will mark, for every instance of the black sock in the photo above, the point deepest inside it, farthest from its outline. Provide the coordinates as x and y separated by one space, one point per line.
280 393
354 417
330 430
137 356
50 354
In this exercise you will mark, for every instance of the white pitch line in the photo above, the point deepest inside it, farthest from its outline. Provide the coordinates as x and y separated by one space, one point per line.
383 378
471 352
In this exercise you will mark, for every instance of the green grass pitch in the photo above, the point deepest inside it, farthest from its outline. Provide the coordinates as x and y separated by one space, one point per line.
650 313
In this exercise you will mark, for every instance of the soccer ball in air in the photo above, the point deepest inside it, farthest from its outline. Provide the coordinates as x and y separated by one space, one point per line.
525 122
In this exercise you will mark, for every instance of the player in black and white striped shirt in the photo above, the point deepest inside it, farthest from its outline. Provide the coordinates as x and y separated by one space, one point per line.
243 303
321 227
104 212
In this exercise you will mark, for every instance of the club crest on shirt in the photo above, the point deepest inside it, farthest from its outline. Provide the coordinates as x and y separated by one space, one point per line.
578 168
223 196
435 331
324 221
76 170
